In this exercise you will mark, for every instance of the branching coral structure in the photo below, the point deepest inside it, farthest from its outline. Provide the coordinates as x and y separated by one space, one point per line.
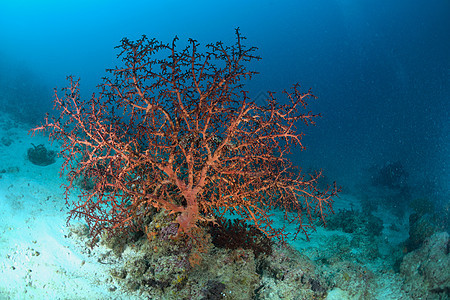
175 130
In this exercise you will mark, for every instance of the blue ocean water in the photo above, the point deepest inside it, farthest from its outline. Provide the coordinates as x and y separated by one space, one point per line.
380 69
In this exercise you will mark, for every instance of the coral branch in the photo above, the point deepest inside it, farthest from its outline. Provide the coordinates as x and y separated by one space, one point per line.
179 133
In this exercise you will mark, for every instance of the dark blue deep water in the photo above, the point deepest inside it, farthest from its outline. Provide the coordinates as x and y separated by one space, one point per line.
381 69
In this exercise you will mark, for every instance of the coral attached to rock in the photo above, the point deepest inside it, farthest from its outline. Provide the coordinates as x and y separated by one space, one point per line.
40 156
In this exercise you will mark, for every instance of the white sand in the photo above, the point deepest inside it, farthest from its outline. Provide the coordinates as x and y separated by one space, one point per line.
37 260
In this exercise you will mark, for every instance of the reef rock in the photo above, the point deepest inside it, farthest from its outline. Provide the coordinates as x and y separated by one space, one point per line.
427 269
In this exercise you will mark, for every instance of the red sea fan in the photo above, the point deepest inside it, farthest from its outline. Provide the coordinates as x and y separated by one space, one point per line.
174 129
